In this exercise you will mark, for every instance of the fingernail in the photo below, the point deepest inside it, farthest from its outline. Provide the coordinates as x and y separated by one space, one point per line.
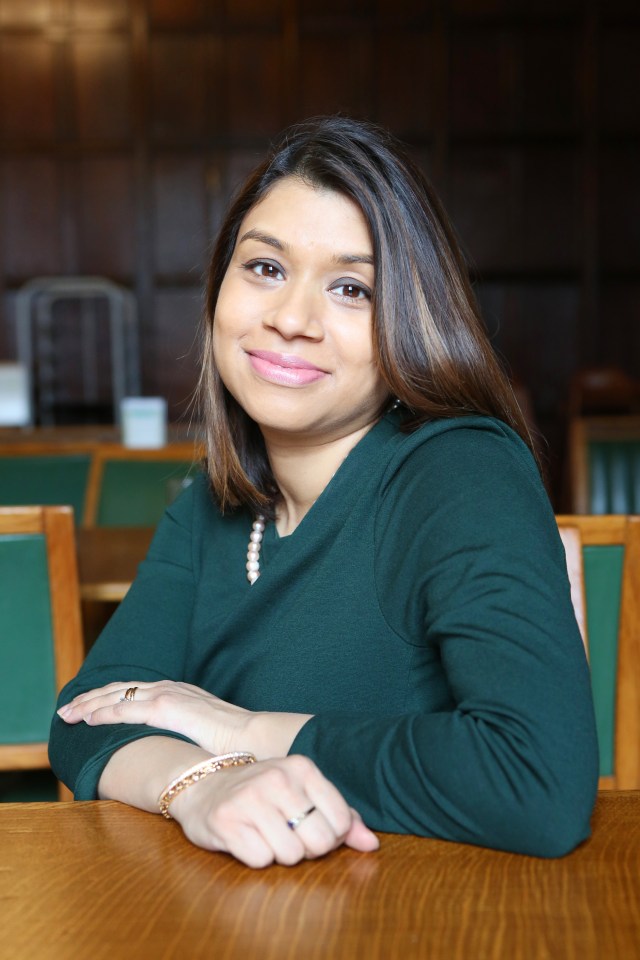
64 712
87 719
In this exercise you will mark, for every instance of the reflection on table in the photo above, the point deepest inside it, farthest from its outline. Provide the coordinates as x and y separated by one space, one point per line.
104 880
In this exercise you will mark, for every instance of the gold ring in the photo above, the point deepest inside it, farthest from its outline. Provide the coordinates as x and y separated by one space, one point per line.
130 693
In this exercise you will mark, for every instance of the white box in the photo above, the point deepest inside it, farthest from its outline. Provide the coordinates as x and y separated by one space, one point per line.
144 422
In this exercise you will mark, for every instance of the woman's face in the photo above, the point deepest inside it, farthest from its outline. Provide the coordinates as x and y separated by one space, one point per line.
292 333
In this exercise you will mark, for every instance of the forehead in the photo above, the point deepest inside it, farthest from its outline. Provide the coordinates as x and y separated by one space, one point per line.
294 210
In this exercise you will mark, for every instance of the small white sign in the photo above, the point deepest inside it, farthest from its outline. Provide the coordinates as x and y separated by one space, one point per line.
14 395
144 422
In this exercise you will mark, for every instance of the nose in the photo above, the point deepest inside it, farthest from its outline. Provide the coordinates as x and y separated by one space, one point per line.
296 312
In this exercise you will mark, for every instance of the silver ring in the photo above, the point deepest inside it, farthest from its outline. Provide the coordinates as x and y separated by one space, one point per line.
129 694
295 822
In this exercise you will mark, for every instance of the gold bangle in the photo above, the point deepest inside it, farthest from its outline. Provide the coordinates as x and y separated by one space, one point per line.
198 772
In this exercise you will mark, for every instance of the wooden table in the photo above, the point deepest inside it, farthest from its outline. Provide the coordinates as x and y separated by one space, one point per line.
108 559
101 880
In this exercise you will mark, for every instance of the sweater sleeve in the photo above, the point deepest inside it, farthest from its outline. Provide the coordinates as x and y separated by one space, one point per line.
138 643
469 563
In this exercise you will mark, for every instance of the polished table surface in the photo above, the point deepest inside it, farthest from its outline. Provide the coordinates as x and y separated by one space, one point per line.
102 880
108 559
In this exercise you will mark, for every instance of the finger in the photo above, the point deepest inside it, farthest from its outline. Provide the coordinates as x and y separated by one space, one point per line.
104 710
111 693
360 837
247 844
324 796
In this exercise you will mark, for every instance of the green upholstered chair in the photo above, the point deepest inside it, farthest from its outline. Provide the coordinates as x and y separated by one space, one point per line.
133 488
44 474
40 627
610 589
604 457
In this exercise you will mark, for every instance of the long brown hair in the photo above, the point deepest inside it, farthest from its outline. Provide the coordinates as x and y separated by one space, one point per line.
431 346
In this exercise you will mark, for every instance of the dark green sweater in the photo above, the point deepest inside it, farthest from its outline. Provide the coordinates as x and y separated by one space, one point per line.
420 611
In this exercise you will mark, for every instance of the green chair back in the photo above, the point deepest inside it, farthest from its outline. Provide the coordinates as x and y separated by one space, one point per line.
45 479
614 476
603 567
26 650
135 493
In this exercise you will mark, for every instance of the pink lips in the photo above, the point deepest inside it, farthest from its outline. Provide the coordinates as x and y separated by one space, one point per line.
283 368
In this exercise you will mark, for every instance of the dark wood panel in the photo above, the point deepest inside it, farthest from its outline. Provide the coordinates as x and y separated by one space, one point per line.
485 204
405 81
31 222
105 217
255 88
335 75
180 215
19 13
485 82
552 80
620 208
254 13
170 355
552 225
102 86
620 342
100 13
27 109
620 85
177 12
178 87
521 318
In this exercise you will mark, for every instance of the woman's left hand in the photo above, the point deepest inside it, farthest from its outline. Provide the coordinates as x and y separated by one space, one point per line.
212 723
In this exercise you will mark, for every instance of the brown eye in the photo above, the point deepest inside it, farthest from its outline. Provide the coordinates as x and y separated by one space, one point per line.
351 291
264 269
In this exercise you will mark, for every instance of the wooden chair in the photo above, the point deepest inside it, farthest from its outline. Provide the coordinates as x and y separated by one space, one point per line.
44 473
133 488
604 465
608 575
41 631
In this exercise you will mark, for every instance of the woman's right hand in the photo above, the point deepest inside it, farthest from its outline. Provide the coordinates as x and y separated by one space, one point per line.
244 811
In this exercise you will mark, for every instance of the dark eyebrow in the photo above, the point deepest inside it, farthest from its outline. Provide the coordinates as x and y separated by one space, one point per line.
263 238
346 258
343 259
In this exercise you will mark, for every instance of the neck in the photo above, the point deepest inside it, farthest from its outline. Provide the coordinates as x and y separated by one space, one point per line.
303 470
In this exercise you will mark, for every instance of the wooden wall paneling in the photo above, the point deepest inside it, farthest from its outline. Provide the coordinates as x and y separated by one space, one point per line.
180 215
620 78
178 67
552 209
19 13
485 64
170 361
253 13
405 82
552 71
27 110
105 218
331 80
255 86
485 205
99 13
101 65
620 208
171 13
521 317
30 229
407 12
619 344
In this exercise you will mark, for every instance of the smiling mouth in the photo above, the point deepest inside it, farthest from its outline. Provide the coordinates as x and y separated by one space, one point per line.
284 369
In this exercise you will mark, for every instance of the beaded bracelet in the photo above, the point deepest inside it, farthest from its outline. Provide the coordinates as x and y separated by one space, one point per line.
198 772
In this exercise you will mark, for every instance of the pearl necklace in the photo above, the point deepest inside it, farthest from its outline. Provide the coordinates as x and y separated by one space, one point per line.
253 550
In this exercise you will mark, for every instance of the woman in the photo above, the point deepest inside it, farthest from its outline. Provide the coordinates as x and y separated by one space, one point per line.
366 593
